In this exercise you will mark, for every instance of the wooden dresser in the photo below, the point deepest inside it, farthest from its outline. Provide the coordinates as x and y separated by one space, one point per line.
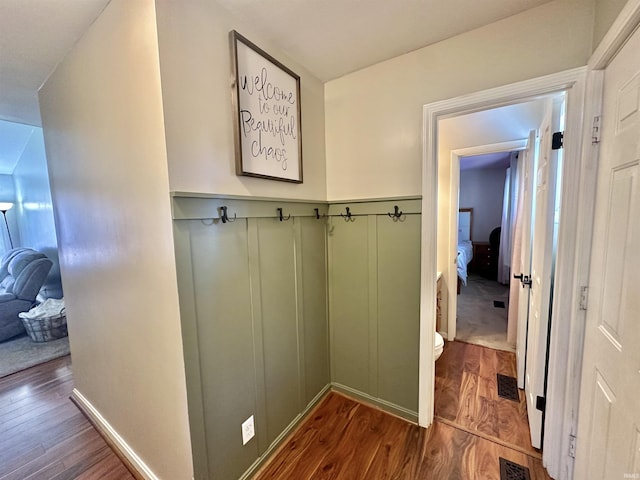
485 260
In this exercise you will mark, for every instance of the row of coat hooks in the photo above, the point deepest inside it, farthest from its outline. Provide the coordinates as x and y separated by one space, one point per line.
347 216
224 214
395 215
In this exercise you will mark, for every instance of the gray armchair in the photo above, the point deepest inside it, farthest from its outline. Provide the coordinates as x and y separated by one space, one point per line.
22 274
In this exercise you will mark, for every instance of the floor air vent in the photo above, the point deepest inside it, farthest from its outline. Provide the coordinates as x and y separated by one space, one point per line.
508 388
513 471
499 304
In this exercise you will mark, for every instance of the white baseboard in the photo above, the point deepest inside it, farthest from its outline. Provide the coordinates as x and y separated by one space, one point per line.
119 445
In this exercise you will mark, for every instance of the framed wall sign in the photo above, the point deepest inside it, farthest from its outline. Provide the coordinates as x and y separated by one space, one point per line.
266 100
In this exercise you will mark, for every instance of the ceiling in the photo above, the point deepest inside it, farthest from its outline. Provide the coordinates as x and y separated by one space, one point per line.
334 37
328 37
488 160
34 36
490 128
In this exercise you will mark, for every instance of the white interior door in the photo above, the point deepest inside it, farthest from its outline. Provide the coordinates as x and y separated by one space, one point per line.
608 443
523 242
541 274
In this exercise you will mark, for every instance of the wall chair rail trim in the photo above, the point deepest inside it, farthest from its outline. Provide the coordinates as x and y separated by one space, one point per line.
213 207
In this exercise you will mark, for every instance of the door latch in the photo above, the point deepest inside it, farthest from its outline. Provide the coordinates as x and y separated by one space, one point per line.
524 279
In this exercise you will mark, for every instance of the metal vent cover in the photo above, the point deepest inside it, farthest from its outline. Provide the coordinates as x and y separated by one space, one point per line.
513 471
508 388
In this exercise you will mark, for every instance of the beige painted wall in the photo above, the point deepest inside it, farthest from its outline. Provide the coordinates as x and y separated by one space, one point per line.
104 135
195 67
374 116
606 11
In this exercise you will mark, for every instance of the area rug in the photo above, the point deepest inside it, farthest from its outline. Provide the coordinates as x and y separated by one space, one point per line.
22 352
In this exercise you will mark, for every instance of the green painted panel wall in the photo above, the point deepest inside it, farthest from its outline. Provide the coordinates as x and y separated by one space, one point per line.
257 339
253 303
279 323
349 297
374 292
398 263
313 264
225 342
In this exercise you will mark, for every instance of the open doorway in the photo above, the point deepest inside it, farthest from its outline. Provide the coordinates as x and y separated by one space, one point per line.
477 151
572 84
487 200
29 266
483 316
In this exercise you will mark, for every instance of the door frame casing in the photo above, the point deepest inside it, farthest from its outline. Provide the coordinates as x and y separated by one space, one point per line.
567 271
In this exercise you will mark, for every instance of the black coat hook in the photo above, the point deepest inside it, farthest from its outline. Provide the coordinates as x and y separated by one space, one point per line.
396 213
317 210
280 217
349 216
224 216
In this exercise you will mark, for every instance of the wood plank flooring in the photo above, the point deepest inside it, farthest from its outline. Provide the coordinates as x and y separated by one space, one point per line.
44 436
343 439
346 440
467 395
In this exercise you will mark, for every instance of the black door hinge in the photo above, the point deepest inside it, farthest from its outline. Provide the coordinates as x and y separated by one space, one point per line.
557 141
541 403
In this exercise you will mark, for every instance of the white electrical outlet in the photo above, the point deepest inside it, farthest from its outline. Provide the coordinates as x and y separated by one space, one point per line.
248 431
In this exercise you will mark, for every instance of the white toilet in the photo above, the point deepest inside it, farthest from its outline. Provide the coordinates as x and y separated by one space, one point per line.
439 345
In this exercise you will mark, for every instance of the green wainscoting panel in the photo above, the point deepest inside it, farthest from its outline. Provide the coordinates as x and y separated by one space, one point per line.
374 296
312 256
253 305
398 262
372 240
195 404
280 341
273 312
349 302
225 342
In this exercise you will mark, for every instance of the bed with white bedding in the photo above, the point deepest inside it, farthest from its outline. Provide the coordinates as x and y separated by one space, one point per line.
465 247
465 254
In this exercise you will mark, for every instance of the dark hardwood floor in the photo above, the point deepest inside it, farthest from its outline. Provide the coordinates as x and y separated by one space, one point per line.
44 436
467 395
346 440
343 439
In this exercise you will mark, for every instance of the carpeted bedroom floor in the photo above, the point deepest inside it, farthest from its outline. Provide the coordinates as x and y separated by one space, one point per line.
480 321
20 353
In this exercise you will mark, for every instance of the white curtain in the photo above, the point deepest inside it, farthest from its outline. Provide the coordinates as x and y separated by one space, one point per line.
509 214
514 290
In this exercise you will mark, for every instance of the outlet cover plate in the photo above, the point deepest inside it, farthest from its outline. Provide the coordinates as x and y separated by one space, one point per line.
248 430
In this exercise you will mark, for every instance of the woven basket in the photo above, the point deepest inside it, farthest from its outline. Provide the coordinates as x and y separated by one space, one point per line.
46 329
